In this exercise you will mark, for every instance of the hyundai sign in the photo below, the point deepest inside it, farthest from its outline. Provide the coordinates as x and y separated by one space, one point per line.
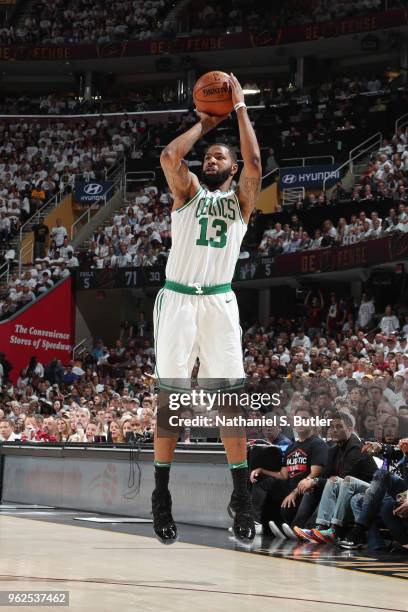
309 177
87 193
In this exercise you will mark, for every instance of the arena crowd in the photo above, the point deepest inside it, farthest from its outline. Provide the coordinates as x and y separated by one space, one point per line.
86 22
239 16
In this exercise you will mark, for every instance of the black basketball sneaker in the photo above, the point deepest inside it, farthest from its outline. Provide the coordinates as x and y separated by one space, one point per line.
163 524
241 510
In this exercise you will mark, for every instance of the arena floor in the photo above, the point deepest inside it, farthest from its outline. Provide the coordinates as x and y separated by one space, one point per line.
121 566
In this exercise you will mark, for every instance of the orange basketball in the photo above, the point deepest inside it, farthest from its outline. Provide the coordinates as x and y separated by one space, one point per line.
212 94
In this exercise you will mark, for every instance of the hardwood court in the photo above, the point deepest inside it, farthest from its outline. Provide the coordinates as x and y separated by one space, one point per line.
107 570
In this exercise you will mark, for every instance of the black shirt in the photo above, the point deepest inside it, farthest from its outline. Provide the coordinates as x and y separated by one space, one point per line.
300 456
348 460
41 232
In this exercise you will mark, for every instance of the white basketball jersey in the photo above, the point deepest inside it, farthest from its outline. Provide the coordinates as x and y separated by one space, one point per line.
206 233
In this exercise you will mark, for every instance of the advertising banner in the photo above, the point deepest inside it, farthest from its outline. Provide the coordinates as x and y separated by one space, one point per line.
334 259
45 329
88 193
309 177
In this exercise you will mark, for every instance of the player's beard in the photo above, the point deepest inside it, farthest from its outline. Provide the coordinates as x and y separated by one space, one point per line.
214 181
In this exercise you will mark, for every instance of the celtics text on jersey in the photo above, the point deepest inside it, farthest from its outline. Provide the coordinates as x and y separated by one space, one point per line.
207 233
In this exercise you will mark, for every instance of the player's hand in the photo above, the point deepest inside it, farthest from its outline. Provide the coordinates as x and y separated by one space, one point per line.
289 501
371 448
236 89
210 121
402 510
403 445
255 475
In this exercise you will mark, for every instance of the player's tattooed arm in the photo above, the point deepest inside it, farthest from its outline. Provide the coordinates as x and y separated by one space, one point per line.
250 181
249 188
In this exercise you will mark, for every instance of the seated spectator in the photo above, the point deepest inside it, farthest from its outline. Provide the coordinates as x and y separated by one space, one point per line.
349 471
115 435
280 490
7 431
385 498
63 430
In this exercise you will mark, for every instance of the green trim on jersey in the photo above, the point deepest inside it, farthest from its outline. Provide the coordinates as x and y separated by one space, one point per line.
239 209
197 289
190 201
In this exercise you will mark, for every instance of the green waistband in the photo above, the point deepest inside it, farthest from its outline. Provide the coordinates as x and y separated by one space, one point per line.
197 289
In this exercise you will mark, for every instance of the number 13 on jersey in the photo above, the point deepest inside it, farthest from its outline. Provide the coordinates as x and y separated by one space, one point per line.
217 240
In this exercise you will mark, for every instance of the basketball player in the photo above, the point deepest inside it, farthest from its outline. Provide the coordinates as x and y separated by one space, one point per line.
196 313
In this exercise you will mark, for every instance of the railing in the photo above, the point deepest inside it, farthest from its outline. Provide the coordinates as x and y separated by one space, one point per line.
303 159
5 272
118 167
83 176
80 348
78 223
293 195
35 218
375 140
401 122
26 250
137 177
365 147
57 197
269 177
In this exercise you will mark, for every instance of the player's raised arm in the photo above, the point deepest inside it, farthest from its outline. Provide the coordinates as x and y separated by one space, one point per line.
249 185
182 183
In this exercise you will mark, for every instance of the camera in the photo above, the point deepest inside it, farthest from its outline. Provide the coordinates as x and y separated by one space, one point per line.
130 437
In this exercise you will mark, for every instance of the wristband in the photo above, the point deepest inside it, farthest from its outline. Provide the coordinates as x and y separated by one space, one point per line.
239 105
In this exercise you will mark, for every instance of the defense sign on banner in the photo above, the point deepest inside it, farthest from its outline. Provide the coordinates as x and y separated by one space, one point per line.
309 177
87 193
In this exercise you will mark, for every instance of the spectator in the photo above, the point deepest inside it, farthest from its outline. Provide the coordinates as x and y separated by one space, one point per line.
59 233
389 322
307 456
366 312
115 432
41 234
348 471
63 430
6 431
384 497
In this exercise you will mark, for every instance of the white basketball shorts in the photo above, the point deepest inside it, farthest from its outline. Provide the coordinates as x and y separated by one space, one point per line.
203 326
